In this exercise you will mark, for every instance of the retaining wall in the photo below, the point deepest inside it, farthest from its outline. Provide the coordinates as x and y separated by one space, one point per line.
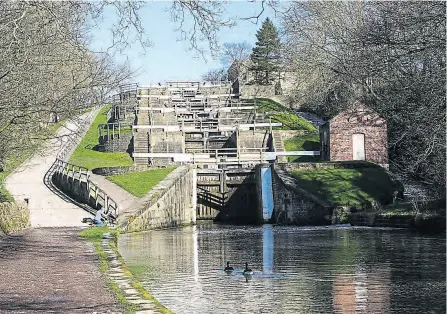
121 143
13 217
82 191
114 171
170 203
293 205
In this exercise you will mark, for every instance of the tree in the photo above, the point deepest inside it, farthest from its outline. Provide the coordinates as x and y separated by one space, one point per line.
215 75
234 57
266 54
390 55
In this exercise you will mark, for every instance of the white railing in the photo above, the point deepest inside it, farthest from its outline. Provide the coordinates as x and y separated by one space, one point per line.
62 166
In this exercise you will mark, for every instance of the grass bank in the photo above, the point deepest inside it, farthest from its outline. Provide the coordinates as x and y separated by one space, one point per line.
309 142
140 183
286 116
95 235
348 187
85 154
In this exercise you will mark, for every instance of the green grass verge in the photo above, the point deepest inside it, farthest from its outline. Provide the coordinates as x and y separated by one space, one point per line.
140 183
352 187
286 116
95 234
86 156
309 142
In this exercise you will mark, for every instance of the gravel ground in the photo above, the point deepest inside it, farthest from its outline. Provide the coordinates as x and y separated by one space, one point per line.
51 270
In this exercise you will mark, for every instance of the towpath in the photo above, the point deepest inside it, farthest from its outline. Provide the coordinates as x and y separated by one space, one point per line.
47 209
51 270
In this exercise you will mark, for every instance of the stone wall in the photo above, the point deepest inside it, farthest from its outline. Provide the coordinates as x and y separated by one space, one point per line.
171 203
163 142
293 205
257 91
357 120
253 139
328 165
13 217
82 191
121 143
114 171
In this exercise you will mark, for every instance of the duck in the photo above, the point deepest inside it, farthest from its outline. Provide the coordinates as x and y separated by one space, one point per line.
247 271
228 268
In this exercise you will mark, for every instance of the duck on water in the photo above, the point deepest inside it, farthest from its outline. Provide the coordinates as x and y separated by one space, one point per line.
247 271
228 268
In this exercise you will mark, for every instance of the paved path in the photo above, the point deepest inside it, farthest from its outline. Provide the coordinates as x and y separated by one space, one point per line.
119 195
46 208
51 270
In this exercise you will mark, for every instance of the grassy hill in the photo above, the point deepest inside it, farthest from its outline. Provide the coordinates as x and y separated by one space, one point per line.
86 156
353 187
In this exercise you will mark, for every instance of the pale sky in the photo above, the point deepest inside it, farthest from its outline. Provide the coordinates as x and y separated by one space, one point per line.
168 58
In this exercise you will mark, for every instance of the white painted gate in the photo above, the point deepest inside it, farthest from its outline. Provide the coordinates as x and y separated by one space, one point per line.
358 146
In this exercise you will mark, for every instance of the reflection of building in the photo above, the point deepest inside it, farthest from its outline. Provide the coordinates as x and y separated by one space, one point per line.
358 133
366 291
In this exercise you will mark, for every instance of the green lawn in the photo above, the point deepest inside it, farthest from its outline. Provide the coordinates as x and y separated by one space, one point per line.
348 186
309 142
140 183
286 116
86 156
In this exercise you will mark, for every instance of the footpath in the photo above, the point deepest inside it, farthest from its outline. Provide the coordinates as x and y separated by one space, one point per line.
50 270
27 181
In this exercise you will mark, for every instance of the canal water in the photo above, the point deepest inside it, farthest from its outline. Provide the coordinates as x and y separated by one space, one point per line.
296 269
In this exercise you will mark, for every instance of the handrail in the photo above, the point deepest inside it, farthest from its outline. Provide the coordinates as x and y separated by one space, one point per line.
62 166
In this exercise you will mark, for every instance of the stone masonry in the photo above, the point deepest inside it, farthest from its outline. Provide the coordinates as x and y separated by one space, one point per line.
337 136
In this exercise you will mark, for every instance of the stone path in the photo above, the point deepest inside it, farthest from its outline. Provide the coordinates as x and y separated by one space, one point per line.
117 274
27 181
117 193
51 270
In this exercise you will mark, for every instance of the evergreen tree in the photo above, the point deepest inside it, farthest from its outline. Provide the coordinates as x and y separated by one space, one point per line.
266 53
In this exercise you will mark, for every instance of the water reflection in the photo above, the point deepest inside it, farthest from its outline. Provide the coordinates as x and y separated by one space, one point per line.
296 270
267 249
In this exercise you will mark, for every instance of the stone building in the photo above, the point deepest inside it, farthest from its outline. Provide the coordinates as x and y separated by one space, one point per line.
357 133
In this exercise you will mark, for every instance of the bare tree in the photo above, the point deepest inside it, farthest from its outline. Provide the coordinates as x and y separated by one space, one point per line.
216 75
391 55
234 57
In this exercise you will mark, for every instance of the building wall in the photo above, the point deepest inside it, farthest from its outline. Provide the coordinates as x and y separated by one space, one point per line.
171 203
358 120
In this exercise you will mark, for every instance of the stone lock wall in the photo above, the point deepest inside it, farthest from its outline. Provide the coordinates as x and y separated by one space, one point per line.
171 203
122 143
293 205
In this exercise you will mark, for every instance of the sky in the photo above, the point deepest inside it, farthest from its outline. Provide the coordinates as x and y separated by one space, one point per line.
168 58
